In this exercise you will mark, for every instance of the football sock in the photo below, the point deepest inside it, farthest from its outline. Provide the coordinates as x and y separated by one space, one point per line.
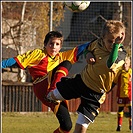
120 121
120 118
61 71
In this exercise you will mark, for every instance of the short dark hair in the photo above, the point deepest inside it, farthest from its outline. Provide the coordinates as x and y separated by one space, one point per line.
53 34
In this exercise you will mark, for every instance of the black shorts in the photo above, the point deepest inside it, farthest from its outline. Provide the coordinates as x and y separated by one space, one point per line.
71 88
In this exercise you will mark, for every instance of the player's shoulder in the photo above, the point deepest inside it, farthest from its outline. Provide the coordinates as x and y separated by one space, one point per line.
94 43
38 50
98 42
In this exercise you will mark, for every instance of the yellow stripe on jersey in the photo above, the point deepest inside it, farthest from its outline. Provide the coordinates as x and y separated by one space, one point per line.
61 71
31 58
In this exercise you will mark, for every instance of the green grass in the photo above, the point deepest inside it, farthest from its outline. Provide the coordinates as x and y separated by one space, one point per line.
47 123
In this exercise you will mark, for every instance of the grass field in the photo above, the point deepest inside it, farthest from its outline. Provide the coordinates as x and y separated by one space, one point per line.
47 123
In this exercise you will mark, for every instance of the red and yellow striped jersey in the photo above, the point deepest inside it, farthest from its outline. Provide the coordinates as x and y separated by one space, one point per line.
39 63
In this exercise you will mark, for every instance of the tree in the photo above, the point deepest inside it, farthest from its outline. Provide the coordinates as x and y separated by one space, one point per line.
25 24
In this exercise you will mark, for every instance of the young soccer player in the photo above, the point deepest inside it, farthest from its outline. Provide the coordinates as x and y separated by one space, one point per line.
105 57
124 82
47 66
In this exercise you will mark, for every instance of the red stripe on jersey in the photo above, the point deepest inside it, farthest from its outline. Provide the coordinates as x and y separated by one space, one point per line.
19 63
129 87
40 69
75 55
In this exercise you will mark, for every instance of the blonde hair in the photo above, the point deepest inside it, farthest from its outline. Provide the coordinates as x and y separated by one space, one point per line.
112 27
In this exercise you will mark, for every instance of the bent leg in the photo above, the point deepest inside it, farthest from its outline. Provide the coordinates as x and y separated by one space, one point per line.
64 119
40 90
60 110
60 71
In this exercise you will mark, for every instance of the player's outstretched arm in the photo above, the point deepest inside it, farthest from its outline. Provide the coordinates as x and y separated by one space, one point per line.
82 49
8 63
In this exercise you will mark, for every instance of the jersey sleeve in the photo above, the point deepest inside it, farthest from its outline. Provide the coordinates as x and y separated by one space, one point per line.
73 54
8 63
82 49
113 55
29 58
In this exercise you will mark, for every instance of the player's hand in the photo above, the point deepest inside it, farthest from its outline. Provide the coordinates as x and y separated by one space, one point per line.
120 38
90 59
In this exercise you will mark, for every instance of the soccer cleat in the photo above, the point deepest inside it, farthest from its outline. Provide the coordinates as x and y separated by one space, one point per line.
118 128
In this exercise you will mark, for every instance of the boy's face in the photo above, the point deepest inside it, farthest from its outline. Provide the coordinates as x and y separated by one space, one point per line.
53 46
109 40
126 64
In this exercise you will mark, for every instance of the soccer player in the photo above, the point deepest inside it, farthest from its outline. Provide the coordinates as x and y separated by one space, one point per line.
105 57
47 66
124 87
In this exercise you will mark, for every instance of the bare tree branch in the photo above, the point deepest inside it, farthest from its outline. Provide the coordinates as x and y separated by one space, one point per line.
11 27
23 12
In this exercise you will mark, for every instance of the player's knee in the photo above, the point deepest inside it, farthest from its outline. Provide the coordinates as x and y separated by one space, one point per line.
67 64
66 126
